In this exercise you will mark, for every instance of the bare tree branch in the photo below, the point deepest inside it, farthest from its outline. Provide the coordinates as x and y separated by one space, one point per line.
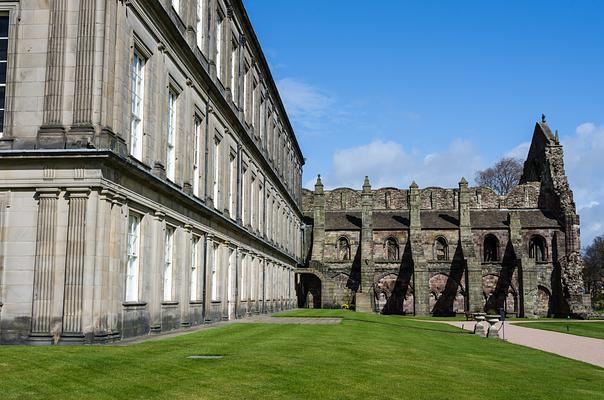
501 177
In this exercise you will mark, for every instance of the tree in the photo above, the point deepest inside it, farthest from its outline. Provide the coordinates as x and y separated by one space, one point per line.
502 176
593 269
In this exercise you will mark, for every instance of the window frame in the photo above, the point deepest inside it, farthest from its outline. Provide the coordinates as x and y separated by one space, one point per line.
132 278
171 139
168 275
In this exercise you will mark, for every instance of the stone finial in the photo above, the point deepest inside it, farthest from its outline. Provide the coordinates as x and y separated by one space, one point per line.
319 183
543 118
463 182
366 184
413 185
557 137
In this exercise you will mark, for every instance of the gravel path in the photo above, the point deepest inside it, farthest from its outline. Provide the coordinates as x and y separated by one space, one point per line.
580 348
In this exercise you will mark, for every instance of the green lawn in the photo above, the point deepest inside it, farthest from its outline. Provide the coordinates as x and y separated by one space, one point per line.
366 357
589 329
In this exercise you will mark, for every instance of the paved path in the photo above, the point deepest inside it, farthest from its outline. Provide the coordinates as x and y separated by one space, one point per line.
580 348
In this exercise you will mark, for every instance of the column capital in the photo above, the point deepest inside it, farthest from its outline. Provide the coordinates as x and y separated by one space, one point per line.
48 192
77 192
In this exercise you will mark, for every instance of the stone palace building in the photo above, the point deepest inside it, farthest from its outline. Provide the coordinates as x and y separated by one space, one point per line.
149 175
446 251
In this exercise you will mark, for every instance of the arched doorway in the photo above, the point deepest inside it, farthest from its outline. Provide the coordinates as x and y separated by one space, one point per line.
308 288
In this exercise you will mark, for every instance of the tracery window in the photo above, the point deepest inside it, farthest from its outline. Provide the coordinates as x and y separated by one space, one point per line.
490 248
537 248
391 249
441 249
343 249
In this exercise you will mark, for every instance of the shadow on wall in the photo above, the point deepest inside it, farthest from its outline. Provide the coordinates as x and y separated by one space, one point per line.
444 305
354 277
498 299
395 301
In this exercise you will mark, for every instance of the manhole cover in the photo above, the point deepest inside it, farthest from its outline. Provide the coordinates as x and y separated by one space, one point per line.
205 357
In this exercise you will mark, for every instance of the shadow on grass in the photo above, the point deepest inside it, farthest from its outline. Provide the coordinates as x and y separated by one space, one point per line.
461 331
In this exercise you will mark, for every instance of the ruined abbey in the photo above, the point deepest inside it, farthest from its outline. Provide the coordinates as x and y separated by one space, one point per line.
448 251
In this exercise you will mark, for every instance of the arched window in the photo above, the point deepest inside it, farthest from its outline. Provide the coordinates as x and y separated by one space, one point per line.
537 248
441 249
490 248
391 249
343 248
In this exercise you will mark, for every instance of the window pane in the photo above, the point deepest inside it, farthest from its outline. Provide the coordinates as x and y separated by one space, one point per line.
3 49
2 89
2 72
4 26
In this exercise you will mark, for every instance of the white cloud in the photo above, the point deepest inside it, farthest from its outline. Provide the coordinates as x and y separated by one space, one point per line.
310 108
388 163
519 152
584 164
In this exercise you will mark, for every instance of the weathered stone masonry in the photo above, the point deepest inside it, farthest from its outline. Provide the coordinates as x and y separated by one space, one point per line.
149 176
444 251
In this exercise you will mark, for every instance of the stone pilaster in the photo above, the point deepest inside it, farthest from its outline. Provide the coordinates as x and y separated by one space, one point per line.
207 287
74 263
51 133
473 269
420 269
318 228
364 298
44 267
155 274
236 282
82 130
527 273
117 262
102 265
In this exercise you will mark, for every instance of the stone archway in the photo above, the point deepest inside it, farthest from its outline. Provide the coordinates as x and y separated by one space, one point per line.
447 296
393 296
543 304
308 288
499 293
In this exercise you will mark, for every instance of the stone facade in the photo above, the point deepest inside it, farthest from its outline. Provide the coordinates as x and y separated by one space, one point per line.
446 251
149 176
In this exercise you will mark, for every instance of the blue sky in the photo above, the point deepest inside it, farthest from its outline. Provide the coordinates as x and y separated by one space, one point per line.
435 90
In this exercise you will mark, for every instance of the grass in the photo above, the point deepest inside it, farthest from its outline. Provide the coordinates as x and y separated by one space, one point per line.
365 357
589 329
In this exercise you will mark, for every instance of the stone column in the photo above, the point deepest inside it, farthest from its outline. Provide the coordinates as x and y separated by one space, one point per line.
473 269
51 133
44 267
318 228
420 269
364 297
74 264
